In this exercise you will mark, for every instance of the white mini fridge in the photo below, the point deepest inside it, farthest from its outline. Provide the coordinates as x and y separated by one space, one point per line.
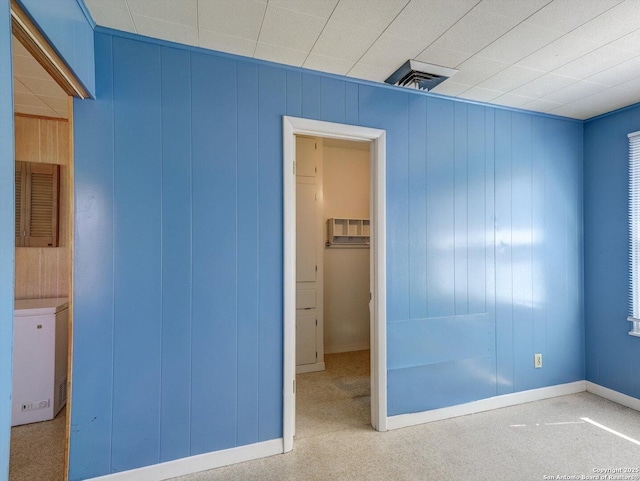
40 341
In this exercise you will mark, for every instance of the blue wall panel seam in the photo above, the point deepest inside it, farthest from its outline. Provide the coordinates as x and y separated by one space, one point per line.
190 245
190 252
258 318
113 236
237 255
162 142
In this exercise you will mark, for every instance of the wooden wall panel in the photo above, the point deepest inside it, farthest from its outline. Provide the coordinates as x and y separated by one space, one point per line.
43 271
27 138
49 141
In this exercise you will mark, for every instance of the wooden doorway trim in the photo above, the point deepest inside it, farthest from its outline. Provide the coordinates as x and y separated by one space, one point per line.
35 42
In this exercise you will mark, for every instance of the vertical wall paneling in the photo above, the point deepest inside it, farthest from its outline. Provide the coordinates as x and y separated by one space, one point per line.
540 155
351 101
476 211
389 109
490 235
483 207
503 253
91 414
271 105
311 96
521 242
333 100
248 363
137 358
606 250
440 208
460 212
595 143
417 207
214 331
175 398
294 93
7 239
564 270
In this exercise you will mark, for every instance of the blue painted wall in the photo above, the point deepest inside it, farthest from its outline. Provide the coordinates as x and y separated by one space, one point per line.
69 28
178 261
613 356
7 239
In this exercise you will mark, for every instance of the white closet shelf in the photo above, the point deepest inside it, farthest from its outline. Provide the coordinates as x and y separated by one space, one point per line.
348 232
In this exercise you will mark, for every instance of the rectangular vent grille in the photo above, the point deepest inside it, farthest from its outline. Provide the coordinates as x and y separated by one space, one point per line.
419 75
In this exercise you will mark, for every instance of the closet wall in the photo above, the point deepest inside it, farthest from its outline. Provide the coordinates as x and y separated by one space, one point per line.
44 271
346 269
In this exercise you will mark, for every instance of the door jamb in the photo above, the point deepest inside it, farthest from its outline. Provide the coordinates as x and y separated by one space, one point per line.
297 126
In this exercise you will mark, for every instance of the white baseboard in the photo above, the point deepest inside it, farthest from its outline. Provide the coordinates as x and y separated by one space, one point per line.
362 346
200 462
404 420
615 396
315 367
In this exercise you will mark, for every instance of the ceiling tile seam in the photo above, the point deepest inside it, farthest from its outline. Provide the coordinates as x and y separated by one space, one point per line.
566 63
495 40
135 29
586 79
320 34
162 20
378 37
575 80
264 14
477 85
198 23
450 27
600 71
569 32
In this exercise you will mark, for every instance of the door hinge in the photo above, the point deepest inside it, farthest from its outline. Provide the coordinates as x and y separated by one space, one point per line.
316 268
294 386
316 322
316 355
315 170
294 168
315 145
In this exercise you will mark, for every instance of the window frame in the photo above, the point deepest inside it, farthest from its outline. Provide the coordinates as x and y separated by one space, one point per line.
634 233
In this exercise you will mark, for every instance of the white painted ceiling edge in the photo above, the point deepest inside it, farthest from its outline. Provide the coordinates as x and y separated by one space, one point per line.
574 58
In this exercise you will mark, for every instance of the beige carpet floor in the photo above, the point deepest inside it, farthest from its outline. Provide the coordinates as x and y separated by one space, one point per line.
334 439
37 450
569 437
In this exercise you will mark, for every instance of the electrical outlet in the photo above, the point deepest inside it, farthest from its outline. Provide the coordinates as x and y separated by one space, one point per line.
537 360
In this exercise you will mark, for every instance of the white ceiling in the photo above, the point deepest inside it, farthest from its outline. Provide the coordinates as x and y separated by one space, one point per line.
576 58
34 91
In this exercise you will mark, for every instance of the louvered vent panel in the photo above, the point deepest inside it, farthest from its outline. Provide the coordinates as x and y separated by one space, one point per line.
62 392
18 203
42 186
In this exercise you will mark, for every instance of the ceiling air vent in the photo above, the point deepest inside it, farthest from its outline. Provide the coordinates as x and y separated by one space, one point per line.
419 75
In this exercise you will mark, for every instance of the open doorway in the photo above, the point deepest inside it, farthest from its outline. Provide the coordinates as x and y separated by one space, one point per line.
375 141
332 285
43 139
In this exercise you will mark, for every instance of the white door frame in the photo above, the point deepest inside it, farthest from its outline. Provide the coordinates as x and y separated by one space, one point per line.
378 305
